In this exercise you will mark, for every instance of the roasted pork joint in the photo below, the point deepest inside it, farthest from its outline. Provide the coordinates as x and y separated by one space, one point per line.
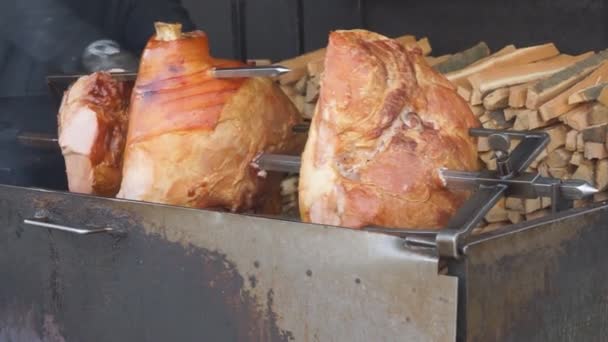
92 133
192 138
384 125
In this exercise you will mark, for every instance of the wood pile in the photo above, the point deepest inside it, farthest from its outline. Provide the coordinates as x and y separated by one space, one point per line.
539 88
525 88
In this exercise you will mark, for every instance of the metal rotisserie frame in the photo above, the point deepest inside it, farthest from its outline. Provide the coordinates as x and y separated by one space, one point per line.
169 273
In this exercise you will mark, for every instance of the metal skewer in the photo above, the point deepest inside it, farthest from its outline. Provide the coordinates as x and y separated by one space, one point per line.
527 185
250 71
238 72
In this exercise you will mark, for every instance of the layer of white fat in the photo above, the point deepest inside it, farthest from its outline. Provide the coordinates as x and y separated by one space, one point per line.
138 175
80 132
80 173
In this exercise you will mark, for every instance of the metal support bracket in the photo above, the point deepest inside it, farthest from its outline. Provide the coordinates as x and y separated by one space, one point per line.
510 179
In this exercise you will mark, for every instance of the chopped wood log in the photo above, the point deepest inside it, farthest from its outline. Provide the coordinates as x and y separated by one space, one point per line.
585 171
543 154
289 91
315 68
309 110
476 97
477 110
577 158
595 133
543 169
603 98
493 226
502 58
545 202
559 105
497 99
580 144
517 95
425 46
595 151
483 144
558 137
559 158
600 197
485 117
498 118
495 78
580 203
571 140
313 89
559 82
506 56
465 92
559 172
259 62
436 60
489 160
406 39
299 102
588 94
464 58
598 114
528 119
498 213
300 86
538 214
293 76
523 205
511 113
577 117
515 217
601 174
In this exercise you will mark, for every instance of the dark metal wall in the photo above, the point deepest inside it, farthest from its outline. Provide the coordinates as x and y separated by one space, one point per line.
280 29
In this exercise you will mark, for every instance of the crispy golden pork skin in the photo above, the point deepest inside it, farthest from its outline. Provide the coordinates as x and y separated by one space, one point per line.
192 138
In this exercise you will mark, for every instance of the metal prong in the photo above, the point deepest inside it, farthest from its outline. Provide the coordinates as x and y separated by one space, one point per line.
301 128
278 163
576 189
250 71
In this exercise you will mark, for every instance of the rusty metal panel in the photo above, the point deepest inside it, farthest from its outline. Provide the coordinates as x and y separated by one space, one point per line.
538 281
190 275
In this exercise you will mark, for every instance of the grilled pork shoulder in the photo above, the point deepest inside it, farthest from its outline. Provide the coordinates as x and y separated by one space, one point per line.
383 127
92 133
192 138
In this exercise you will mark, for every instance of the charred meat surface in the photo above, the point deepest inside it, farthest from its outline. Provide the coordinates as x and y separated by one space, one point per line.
92 133
386 122
192 138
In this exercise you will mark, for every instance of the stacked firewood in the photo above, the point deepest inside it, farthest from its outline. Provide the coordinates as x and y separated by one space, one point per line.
530 88
538 88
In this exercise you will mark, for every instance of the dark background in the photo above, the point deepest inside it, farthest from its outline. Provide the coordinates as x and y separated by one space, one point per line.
271 27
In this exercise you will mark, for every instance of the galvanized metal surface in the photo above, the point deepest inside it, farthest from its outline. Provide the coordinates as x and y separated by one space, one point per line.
539 281
184 275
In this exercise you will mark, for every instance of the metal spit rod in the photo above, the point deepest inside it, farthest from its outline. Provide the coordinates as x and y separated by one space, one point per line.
527 185
237 72
510 179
